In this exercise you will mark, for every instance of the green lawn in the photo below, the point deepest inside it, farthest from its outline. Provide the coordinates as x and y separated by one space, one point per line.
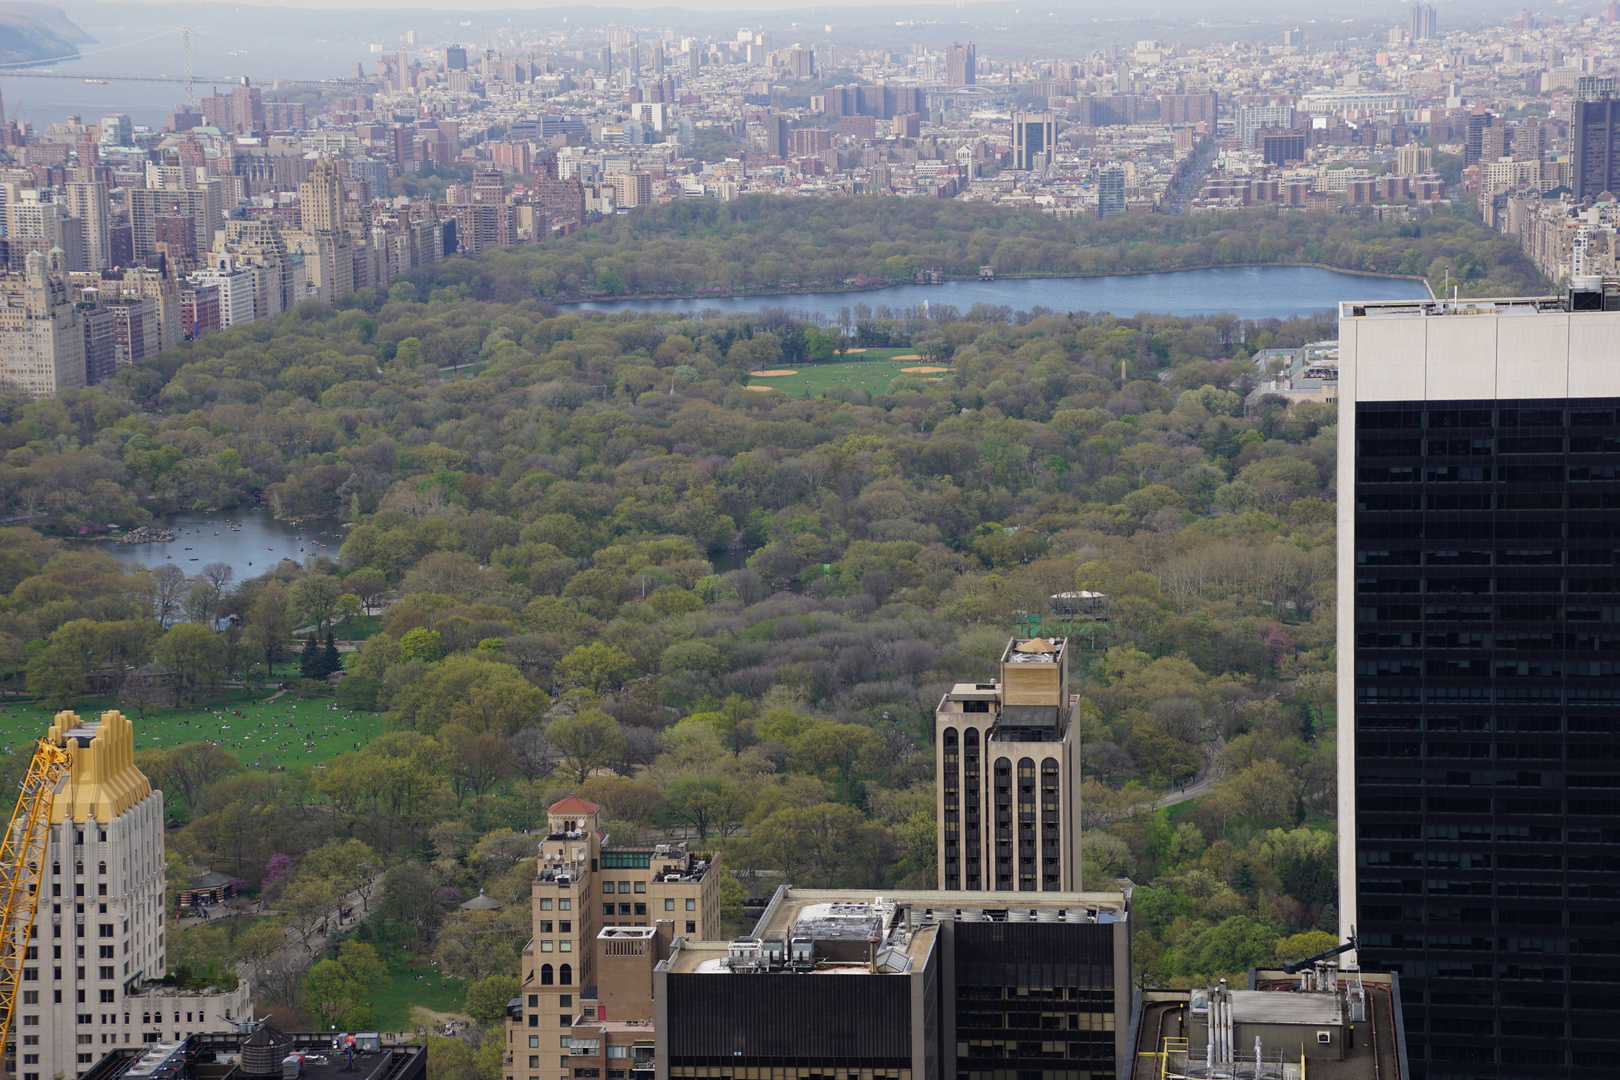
259 737
392 1005
359 627
871 371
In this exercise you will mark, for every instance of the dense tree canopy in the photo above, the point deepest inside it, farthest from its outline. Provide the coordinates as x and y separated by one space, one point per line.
604 566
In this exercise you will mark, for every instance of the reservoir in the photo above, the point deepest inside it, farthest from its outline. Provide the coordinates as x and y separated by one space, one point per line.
254 546
1249 292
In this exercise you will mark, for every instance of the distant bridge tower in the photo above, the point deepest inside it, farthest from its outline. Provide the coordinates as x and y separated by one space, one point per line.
185 47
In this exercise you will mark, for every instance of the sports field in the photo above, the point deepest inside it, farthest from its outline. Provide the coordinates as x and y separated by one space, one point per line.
289 730
871 371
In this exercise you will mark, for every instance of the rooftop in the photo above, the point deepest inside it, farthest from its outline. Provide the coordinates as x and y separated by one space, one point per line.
216 1056
1033 651
931 906
1360 1014
1515 305
836 932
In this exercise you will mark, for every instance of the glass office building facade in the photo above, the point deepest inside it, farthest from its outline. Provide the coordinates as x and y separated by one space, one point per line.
1480 678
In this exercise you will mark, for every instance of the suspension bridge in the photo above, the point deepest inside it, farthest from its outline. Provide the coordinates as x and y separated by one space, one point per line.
34 70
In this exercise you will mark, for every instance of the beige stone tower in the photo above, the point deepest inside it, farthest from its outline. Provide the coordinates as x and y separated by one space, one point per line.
1008 761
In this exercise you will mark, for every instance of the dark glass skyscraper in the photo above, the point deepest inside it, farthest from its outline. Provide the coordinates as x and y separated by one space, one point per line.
1479 676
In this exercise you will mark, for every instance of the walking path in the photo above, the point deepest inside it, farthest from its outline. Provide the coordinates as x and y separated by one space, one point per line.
1208 778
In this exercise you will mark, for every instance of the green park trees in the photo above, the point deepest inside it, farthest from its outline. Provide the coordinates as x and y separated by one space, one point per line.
601 565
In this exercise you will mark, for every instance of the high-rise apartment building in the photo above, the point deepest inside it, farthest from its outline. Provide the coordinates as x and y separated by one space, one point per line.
1423 22
41 331
1034 136
373 174
320 199
403 140
235 286
101 924
1110 190
801 63
1596 140
1414 160
960 64
1281 147
1201 108
100 354
1252 119
595 910
88 202
1009 775
1480 461
199 201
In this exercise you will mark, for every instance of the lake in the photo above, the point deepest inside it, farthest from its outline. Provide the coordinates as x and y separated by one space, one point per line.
253 548
1249 292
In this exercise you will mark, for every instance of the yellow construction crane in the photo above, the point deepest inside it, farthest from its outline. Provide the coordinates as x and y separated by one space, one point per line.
22 864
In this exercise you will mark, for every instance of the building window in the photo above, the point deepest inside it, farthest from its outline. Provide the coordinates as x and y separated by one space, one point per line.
565 945
565 977
624 886
641 887
691 904
534 1040
545 946
545 905
669 903
565 904
607 909
545 974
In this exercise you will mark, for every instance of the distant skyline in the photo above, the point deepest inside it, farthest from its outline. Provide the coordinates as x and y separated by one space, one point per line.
1452 12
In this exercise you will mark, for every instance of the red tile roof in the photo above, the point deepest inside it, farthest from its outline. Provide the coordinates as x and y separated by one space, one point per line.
574 805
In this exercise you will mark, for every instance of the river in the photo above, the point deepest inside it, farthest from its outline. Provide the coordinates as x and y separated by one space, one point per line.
251 549
1249 292
143 44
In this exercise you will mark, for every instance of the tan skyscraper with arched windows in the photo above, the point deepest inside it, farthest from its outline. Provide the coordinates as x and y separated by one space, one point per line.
1009 776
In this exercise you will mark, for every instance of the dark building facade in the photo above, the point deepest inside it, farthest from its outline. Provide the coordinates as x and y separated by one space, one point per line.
905 986
1480 704
1281 147
1596 140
